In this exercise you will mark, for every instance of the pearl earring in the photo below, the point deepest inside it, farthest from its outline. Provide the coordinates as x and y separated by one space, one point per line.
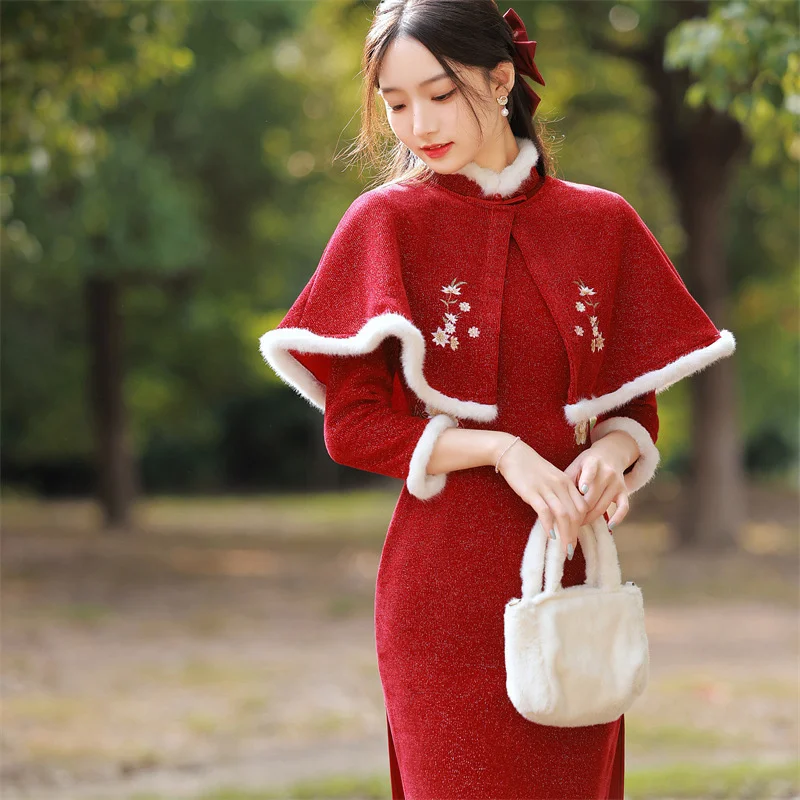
503 102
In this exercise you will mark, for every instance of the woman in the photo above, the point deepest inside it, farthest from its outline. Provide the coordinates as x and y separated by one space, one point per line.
495 337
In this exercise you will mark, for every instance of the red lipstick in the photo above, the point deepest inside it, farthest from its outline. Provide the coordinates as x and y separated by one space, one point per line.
438 152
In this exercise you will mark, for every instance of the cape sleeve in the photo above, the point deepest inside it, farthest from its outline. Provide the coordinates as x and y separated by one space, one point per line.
326 348
655 335
362 430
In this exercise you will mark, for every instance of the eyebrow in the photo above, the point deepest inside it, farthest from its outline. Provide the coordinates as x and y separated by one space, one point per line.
424 83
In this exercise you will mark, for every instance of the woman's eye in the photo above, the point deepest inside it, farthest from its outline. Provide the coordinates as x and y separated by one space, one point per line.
440 98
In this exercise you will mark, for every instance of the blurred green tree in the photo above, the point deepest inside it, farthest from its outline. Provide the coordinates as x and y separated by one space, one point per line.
744 58
104 210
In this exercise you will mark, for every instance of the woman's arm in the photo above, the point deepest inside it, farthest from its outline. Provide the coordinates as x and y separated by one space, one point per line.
363 431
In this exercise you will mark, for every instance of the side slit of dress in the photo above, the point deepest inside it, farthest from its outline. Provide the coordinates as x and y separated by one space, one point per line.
394 767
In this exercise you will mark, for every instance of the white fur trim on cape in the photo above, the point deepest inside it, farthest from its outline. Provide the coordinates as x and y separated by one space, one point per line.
649 456
657 380
419 483
508 180
276 344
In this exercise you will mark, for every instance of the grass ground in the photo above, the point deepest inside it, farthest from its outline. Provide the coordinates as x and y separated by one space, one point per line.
229 643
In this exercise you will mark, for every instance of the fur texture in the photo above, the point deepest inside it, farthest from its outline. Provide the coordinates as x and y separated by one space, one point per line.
507 181
419 483
276 344
658 380
554 638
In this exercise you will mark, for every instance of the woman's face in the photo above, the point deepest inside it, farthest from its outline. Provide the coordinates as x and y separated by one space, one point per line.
424 107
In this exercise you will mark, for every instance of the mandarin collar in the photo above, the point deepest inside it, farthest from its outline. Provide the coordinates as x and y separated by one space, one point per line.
519 179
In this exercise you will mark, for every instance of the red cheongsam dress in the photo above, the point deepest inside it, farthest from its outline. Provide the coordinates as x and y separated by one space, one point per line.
450 565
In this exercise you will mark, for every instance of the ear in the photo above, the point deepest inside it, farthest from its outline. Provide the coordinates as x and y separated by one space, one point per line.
503 76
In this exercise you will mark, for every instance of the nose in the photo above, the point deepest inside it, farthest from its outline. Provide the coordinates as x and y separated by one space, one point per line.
424 121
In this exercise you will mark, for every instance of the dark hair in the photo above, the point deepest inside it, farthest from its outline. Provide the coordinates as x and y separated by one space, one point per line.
472 33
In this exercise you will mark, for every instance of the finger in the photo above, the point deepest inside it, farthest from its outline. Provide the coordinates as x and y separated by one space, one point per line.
623 507
573 471
607 498
567 520
579 501
544 513
595 512
587 475
561 520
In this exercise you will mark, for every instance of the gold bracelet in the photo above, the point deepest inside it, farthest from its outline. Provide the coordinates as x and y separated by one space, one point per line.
504 452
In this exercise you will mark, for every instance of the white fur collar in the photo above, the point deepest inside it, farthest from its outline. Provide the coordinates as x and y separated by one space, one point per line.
508 180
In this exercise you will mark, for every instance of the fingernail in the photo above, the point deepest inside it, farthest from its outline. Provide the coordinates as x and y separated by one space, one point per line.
552 534
611 525
570 551
584 487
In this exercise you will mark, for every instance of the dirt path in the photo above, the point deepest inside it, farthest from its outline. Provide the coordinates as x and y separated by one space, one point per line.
174 663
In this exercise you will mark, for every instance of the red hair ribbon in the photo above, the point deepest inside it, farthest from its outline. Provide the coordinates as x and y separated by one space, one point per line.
523 60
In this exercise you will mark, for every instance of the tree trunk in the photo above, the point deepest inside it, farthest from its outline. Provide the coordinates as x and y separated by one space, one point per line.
113 460
712 509
697 149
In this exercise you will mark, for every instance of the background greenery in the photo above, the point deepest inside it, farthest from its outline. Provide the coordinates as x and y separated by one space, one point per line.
186 150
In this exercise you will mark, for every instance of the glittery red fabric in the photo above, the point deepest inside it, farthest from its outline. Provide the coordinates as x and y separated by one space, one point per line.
539 307
617 302
450 565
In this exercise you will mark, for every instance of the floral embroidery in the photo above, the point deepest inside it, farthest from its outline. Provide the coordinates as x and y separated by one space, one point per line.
597 338
444 336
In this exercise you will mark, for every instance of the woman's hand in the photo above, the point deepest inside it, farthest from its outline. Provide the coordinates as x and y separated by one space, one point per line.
601 469
551 493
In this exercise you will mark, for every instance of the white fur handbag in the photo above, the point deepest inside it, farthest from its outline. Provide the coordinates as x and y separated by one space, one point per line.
575 656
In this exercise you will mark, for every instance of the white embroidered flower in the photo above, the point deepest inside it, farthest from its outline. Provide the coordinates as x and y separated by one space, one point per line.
440 337
474 332
445 335
597 339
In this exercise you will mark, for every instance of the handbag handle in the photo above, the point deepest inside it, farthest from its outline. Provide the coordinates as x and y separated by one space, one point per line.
544 557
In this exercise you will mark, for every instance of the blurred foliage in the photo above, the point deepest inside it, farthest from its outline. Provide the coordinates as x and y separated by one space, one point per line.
210 187
66 66
746 58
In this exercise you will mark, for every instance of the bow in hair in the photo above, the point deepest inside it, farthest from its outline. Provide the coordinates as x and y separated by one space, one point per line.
523 59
